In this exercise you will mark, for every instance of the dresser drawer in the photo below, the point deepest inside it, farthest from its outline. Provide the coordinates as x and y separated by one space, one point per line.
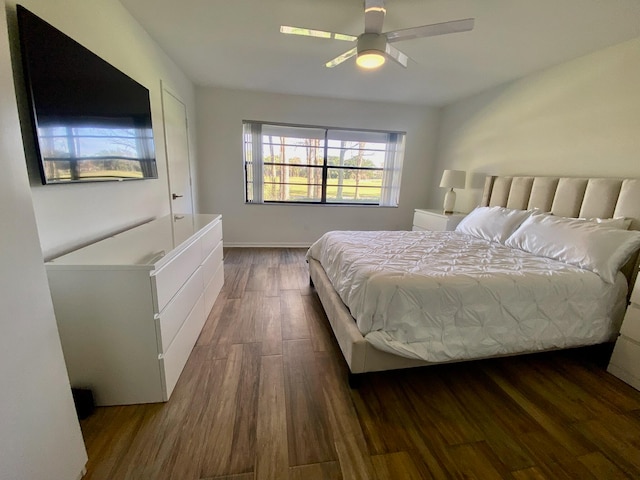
174 314
211 263
173 361
170 278
631 323
435 220
212 290
211 239
429 221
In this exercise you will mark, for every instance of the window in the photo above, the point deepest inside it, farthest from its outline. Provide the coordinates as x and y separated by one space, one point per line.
304 164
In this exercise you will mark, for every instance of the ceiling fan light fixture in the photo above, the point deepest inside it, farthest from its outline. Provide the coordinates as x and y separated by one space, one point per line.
371 48
370 59
375 9
374 6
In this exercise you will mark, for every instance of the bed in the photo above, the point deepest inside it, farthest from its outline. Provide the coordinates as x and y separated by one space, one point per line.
406 299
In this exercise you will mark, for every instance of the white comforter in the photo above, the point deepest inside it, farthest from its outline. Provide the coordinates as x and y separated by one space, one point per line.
442 296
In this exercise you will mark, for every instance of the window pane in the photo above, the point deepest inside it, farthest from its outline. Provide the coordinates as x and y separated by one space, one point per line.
354 154
348 185
305 151
292 184
353 194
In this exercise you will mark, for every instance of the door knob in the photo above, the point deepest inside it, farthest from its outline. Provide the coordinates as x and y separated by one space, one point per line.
174 196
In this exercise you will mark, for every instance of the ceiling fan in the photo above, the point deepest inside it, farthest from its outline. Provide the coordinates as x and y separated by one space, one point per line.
373 46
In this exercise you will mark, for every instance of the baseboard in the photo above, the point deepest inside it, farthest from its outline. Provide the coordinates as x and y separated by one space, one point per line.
266 245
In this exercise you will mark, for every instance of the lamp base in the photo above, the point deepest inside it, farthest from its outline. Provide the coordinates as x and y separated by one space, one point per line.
449 201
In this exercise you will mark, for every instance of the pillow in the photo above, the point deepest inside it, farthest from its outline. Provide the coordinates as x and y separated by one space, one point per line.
621 223
587 245
495 224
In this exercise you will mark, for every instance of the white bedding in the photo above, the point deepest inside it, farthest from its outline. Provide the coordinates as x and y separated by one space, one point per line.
444 296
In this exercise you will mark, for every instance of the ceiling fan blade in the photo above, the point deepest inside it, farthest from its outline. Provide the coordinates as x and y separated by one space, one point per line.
307 32
341 58
454 26
374 13
394 54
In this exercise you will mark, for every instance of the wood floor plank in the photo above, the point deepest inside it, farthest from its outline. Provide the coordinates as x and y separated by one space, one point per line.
208 331
570 469
266 256
349 441
546 418
531 473
316 471
219 442
288 277
109 434
264 277
247 326
476 461
308 428
294 320
601 467
292 256
383 419
392 466
236 277
237 256
258 280
152 447
622 452
240 476
184 461
607 388
442 410
243 453
271 321
480 399
272 454
319 329
225 330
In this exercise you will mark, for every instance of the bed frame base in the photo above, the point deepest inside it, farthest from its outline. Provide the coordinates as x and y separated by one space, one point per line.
359 354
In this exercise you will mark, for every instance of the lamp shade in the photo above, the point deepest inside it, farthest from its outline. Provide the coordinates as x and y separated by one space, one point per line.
453 179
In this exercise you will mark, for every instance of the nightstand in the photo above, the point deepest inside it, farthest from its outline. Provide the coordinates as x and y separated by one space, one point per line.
436 220
625 360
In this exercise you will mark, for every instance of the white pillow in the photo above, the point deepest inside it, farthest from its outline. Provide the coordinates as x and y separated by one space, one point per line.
621 223
600 249
495 224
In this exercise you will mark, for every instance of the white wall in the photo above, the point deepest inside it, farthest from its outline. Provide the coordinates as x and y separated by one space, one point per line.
220 113
40 436
581 118
69 216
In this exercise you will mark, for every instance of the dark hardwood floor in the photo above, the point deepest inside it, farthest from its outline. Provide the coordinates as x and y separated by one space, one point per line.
264 395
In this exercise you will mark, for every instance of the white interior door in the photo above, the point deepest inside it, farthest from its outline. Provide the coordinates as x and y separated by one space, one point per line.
177 148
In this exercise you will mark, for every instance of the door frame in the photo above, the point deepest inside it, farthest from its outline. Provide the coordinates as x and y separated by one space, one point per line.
164 91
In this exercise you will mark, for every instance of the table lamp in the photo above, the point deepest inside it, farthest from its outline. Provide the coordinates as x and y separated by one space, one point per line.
451 179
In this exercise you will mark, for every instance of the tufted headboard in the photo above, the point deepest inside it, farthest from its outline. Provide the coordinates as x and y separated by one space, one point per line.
570 197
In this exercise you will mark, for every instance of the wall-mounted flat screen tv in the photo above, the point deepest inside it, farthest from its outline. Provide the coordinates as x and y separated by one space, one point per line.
91 122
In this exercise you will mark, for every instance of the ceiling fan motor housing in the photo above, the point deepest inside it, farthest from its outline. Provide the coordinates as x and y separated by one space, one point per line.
372 41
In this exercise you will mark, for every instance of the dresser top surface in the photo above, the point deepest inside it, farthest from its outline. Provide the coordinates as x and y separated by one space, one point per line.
147 246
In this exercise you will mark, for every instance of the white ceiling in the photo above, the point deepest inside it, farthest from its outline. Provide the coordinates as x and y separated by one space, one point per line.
237 44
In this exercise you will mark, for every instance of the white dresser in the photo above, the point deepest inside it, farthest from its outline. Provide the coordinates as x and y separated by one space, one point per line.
625 360
131 307
435 220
